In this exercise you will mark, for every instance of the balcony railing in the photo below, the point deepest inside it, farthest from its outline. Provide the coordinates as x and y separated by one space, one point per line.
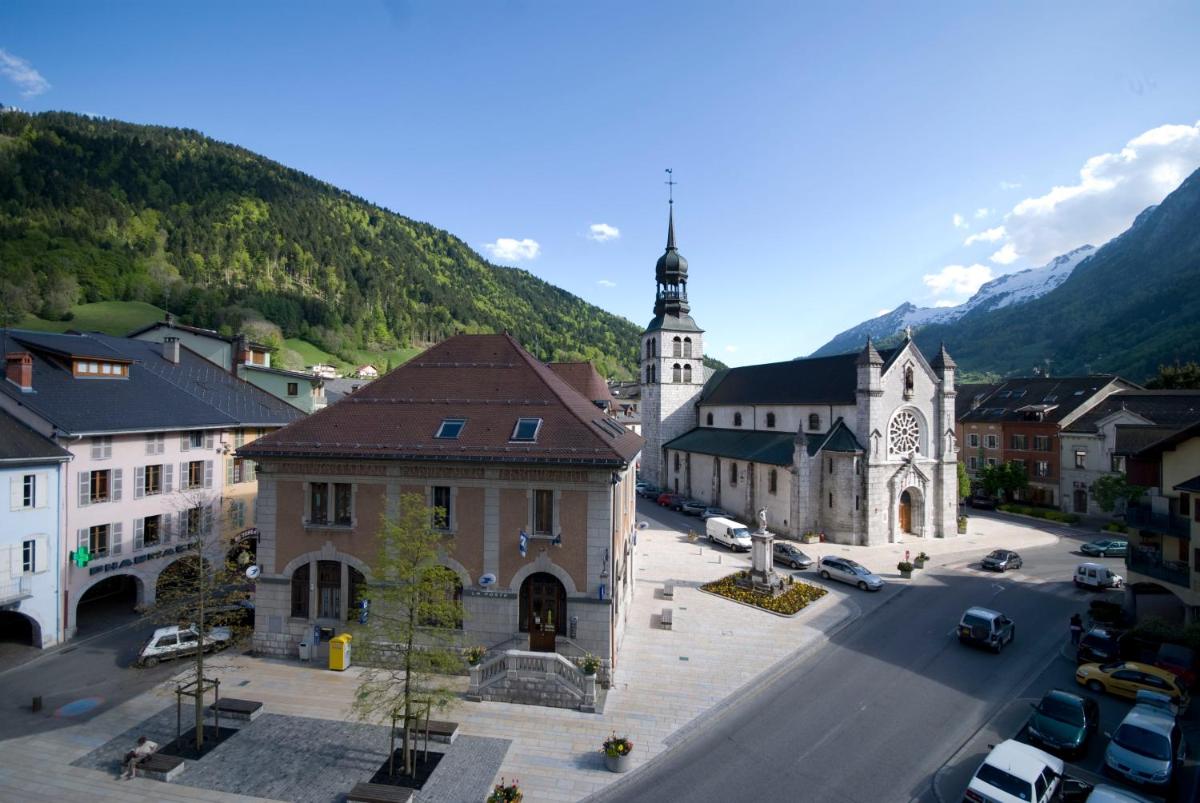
1170 523
13 589
1151 564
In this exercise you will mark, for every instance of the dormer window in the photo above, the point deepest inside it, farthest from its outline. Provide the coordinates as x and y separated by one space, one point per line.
451 428
526 430
100 368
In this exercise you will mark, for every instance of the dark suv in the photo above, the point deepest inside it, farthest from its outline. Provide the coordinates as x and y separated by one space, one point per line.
1099 646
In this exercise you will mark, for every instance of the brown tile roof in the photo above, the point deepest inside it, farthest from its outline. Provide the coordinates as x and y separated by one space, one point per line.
488 380
584 377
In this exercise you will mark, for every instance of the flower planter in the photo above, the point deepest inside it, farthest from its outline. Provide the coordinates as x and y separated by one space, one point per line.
617 763
809 539
918 564
906 575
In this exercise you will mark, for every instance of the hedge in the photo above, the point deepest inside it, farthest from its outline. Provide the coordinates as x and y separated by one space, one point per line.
1041 513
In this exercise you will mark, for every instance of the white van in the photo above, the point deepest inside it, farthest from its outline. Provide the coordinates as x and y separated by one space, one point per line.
728 532
1096 576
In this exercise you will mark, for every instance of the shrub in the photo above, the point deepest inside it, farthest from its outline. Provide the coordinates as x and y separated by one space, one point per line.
589 664
617 746
1116 527
904 566
474 654
1049 514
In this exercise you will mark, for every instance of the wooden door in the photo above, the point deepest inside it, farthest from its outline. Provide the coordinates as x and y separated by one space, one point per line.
905 512
543 614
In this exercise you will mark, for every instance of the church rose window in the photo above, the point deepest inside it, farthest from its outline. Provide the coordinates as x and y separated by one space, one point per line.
904 435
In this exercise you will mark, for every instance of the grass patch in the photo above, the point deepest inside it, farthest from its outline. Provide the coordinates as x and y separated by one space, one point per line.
307 354
110 317
796 597
1041 513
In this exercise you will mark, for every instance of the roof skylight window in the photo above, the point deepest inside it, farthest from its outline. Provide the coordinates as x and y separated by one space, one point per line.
526 430
450 428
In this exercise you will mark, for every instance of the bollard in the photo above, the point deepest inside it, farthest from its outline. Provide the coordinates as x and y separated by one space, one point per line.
37 704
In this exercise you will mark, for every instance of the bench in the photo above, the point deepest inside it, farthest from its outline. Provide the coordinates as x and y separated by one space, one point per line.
665 619
234 708
669 591
445 732
160 767
379 793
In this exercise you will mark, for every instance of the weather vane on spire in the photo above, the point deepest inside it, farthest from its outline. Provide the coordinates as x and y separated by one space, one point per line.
670 182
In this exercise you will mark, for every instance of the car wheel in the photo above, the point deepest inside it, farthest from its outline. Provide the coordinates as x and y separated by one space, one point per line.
862 586
1095 686
824 575
151 661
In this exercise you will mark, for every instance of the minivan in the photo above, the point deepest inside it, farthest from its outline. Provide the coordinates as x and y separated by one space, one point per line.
728 532
1096 576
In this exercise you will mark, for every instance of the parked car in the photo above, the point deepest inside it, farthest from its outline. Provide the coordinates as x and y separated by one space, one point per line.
1103 793
984 626
649 491
668 499
1127 678
728 532
1063 722
1100 645
1097 577
175 641
1106 548
693 507
1180 661
1001 560
710 512
1014 772
848 571
1147 748
1157 700
981 502
790 555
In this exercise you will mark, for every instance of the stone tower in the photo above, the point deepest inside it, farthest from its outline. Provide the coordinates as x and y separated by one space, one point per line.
672 364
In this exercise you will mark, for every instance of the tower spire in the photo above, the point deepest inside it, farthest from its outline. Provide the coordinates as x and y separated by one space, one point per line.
671 228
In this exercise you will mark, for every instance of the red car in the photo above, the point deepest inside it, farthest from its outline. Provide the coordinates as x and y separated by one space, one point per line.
670 500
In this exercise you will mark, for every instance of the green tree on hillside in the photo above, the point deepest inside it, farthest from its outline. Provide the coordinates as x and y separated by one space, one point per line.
1179 376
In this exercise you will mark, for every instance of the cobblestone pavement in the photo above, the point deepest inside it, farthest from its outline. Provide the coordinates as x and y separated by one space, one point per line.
665 680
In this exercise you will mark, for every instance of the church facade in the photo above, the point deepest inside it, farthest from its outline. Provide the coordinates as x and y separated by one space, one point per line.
860 447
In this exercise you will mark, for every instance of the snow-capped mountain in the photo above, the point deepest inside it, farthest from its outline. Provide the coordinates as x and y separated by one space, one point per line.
1008 290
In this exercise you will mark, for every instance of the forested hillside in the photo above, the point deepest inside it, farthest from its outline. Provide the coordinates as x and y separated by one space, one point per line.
99 210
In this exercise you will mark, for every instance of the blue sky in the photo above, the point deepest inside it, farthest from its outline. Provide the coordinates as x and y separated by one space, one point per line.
823 151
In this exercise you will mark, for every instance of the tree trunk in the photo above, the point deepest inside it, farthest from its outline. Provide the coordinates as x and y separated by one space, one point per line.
200 654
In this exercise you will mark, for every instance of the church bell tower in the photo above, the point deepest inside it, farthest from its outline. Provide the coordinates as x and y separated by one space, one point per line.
672 361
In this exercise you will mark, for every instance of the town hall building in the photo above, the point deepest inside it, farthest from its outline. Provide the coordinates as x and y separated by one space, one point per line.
860 447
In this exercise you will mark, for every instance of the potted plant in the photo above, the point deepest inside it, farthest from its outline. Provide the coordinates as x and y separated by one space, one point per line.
474 655
616 753
905 568
809 538
506 793
589 664
919 560
962 525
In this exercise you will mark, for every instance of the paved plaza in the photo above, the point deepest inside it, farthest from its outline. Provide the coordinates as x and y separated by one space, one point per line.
668 683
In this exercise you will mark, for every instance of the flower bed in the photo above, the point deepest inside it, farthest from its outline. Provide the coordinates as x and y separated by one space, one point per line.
794 598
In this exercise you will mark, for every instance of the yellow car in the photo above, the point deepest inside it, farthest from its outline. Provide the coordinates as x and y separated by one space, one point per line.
1127 678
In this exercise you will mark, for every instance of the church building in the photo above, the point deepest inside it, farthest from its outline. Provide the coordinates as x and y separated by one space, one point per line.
860 447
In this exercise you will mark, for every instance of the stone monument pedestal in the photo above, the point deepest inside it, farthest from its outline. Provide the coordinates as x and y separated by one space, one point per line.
762 562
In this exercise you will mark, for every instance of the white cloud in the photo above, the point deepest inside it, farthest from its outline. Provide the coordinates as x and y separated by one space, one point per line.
945 302
987 236
1006 255
959 221
602 232
1010 185
958 280
509 250
982 212
730 349
606 283
1112 189
23 74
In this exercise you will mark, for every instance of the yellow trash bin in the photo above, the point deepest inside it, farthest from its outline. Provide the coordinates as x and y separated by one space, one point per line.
339 651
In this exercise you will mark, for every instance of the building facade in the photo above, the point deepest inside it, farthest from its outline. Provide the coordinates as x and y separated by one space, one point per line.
31 467
536 482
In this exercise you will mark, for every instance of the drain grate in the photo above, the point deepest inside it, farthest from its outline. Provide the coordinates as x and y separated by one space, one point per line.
683 657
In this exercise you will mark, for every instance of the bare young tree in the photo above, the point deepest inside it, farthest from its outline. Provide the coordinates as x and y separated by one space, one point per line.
410 642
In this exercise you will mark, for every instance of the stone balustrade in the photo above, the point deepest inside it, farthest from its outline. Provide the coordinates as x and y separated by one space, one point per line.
533 678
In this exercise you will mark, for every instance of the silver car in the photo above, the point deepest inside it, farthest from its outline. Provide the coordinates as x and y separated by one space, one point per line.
850 572
1147 748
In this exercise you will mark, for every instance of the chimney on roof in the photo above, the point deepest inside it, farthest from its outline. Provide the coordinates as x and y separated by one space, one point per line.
241 352
19 369
169 319
171 350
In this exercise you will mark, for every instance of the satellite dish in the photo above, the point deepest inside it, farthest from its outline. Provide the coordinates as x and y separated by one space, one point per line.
253 572
488 579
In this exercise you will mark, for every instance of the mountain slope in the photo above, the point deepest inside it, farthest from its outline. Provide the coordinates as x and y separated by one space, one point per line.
100 210
1008 290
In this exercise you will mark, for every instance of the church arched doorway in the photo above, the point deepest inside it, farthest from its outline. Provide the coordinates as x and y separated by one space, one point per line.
906 512
543 602
911 512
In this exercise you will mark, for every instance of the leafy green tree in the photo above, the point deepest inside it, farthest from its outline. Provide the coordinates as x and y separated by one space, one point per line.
1004 478
1179 376
1112 488
964 481
410 641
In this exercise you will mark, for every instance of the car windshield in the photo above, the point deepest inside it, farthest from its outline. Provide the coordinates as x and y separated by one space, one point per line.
1009 784
1143 742
998 554
972 621
741 532
1063 711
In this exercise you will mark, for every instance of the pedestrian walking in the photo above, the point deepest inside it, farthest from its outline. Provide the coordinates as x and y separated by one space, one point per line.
1076 629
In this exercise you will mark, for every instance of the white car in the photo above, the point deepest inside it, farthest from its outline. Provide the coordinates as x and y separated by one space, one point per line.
1148 747
1015 773
174 641
850 572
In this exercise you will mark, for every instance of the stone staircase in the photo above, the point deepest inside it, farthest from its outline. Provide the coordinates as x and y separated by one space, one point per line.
532 678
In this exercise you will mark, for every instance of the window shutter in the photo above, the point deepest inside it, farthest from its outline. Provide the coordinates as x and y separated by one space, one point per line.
16 487
208 473
206 519
41 554
114 537
81 537
208 441
185 442
182 530
107 448
42 490
16 560
183 476
149 444
97 449
85 490
139 533
116 485
166 526
249 471
139 482
229 471
168 469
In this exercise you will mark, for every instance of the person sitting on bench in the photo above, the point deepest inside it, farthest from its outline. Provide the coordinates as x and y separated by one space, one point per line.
145 748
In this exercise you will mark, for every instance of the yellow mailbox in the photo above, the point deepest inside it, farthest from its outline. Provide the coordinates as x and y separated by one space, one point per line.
339 651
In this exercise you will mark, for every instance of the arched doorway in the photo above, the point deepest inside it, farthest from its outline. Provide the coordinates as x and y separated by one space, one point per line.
108 603
911 513
543 615
906 512
17 628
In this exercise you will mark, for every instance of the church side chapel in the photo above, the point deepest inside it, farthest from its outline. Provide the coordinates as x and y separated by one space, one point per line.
859 447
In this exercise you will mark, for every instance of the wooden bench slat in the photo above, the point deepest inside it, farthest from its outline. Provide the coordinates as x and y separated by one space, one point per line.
379 793
237 706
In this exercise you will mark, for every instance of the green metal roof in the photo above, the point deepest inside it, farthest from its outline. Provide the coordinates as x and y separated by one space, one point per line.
774 448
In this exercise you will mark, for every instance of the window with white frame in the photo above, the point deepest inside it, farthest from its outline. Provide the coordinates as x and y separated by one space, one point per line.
526 430
1042 468
973 463
973 439
1041 443
100 486
1081 458
102 447
197 474
331 503
98 540
993 442
28 556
